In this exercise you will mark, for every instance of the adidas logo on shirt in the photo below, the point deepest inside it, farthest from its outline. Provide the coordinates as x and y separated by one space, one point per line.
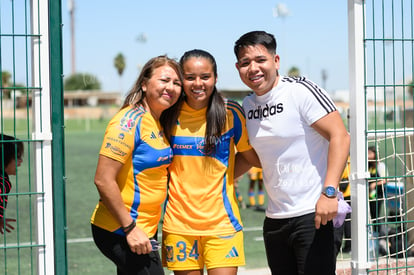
233 253
266 111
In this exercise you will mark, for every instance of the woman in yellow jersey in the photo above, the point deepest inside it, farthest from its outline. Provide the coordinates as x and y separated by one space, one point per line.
131 175
202 226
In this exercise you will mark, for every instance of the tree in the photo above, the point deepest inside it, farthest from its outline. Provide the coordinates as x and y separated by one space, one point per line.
9 89
82 81
119 63
5 78
5 83
294 72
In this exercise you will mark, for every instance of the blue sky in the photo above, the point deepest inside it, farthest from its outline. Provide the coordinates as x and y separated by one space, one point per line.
313 37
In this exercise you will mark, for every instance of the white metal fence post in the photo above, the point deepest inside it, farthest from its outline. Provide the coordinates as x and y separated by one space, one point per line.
359 263
42 135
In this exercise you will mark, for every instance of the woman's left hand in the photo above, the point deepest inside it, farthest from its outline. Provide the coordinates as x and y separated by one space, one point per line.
9 227
138 241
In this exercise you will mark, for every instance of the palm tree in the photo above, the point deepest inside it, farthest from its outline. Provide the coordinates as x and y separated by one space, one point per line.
82 82
119 63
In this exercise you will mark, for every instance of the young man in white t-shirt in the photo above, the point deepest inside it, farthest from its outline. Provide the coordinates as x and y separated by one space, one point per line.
303 146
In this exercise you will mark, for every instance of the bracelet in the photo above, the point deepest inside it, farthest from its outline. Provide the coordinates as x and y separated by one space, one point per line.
129 227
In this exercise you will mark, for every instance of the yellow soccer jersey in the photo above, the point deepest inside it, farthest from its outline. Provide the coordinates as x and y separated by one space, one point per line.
135 139
201 195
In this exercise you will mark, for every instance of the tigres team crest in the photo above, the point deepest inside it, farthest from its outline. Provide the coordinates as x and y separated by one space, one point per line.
170 253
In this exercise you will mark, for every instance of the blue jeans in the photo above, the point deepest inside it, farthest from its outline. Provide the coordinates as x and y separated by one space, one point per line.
294 246
116 248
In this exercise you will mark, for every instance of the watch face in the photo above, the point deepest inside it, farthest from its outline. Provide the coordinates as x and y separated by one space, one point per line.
330 191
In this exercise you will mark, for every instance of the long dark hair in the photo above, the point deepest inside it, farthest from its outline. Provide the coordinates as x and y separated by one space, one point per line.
216 109
10 148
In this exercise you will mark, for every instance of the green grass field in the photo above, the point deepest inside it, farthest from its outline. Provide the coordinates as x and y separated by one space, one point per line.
83 139
81 197
82 143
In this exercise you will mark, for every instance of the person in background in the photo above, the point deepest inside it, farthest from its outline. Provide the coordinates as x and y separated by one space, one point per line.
378 173
11 157
302 144
239 195
131 175
202 227
256 176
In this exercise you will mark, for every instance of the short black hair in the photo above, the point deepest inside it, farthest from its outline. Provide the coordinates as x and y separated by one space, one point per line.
10 149
256 38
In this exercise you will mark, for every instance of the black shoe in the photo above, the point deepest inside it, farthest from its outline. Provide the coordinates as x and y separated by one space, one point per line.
260 208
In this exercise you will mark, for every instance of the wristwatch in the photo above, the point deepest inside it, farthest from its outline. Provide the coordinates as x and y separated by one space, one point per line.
330 191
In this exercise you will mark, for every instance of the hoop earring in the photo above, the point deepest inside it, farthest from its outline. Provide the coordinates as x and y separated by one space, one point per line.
132 100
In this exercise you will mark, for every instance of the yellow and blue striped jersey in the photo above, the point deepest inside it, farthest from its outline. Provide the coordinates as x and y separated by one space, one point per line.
201 195
135 139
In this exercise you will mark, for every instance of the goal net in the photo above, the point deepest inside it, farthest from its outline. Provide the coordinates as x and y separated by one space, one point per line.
390 204
390 186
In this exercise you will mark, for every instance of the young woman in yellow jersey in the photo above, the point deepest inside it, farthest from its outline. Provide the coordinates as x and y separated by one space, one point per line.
202 226
131 176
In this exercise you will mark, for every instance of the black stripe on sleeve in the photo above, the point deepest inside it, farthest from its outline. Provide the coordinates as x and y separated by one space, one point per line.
320 96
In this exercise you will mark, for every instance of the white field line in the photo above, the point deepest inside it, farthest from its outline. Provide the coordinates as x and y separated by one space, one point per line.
89 240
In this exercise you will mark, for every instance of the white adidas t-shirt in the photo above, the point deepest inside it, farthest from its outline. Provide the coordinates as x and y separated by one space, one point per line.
292 153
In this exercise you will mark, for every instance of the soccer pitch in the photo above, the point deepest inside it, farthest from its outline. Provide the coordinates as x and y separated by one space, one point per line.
82 143
83 139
